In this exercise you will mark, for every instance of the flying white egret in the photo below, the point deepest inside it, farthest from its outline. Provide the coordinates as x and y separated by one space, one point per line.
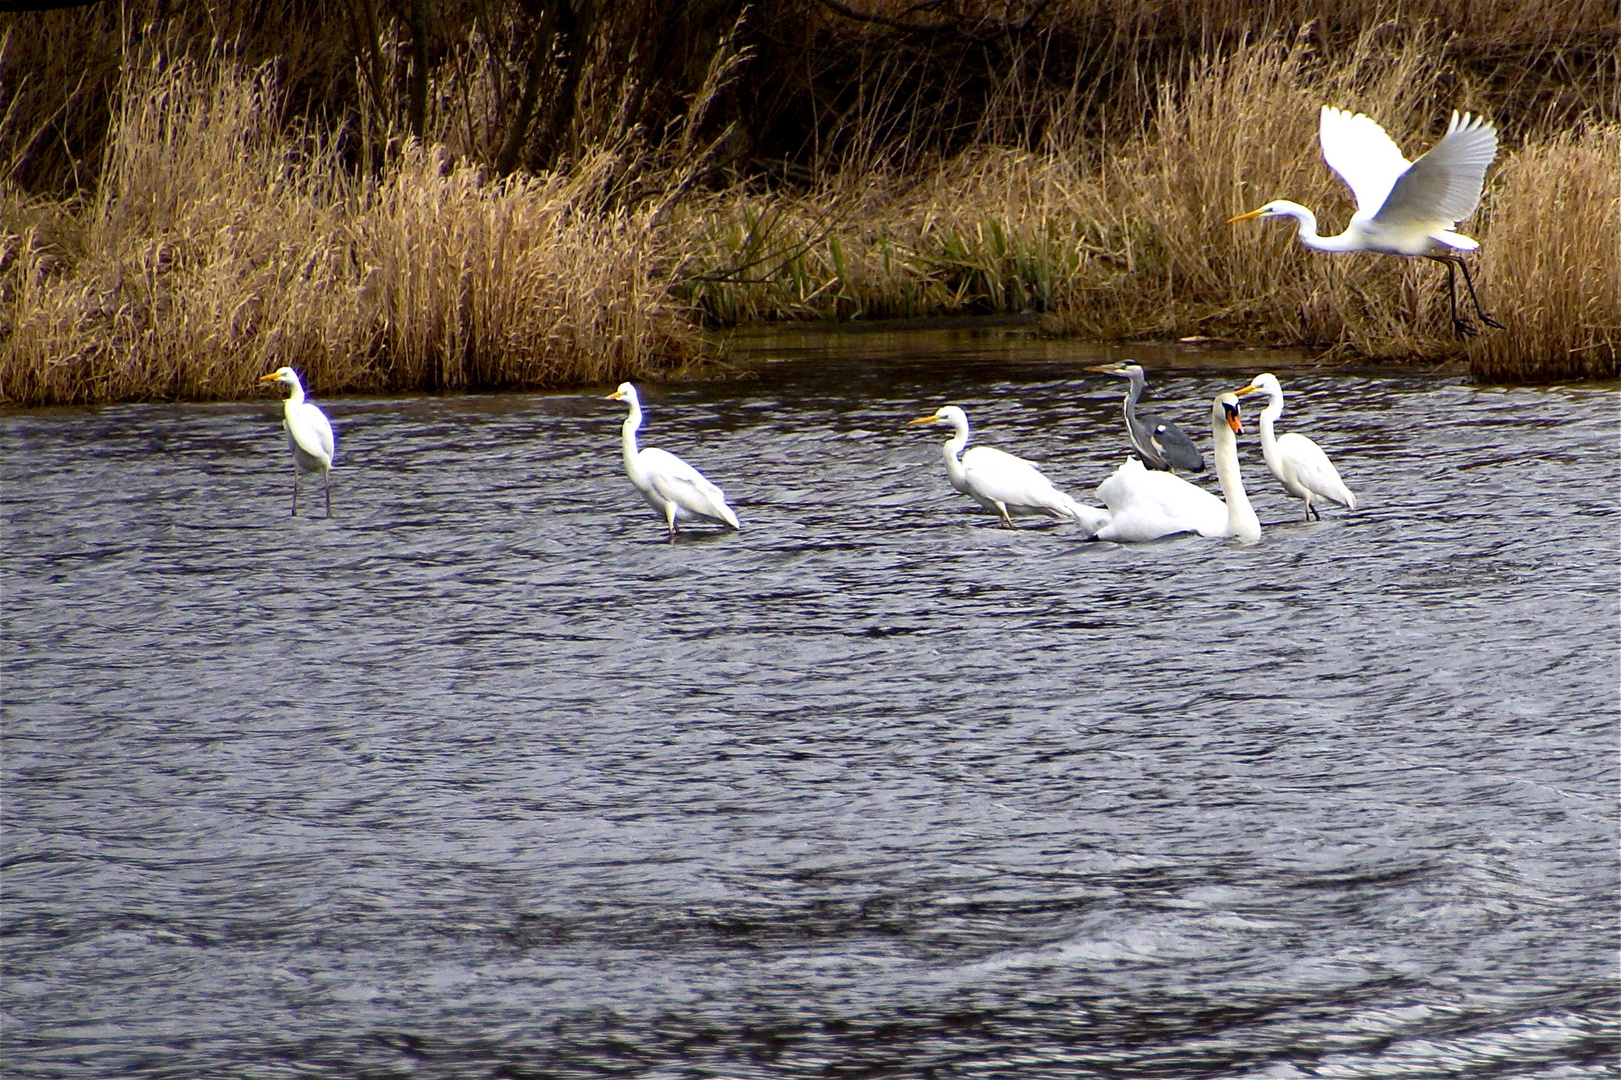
1402 207
1294 459
1160 443
671 486
1007 486
1145 505
309 435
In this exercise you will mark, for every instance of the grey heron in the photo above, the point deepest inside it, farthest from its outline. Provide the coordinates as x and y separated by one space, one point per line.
1160 443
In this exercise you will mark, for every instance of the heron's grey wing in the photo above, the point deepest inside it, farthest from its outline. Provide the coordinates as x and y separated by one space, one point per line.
1443 187
1357 148
1173 445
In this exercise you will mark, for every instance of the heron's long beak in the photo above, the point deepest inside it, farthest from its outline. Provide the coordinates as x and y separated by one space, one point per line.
929 419
615 396
1107 369
1246 217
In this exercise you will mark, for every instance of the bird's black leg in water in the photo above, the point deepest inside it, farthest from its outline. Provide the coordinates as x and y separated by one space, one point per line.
1461 327
1467 280
326 488
295 493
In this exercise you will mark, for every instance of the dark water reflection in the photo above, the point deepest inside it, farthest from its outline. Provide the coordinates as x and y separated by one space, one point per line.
482 779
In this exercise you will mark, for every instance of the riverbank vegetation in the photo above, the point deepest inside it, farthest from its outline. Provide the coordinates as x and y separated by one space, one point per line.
425 195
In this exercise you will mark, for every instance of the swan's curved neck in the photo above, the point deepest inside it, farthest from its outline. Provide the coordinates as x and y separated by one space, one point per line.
1344 241
1241 519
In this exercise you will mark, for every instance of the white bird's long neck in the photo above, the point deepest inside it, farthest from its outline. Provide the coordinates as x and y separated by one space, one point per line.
1307 220
951 450
1241 519
295 397
1269 436
627 435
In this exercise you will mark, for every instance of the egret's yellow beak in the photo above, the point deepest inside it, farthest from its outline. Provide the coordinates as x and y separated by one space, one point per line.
615 396
929 419
1246 390
268 378
1246 217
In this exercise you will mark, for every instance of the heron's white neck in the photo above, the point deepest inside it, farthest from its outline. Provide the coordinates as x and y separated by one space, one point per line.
1345 241
1241 519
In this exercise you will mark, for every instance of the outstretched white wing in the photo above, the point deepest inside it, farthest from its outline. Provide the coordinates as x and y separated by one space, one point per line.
676 481
1359 150
1443 187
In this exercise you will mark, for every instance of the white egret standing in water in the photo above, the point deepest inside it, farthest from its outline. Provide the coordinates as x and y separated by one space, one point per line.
1007 486
671 486
1145 505
1403 207
1294 459
309 435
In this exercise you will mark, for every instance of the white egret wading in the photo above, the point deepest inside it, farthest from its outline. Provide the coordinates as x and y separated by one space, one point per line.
1145 505
309 435
1007 486
1160 443
1403 207
671 486
1301 465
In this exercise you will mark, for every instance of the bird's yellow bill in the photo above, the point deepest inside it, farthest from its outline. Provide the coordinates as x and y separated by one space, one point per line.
929 419
1246 390
268 378
613 396
1246 217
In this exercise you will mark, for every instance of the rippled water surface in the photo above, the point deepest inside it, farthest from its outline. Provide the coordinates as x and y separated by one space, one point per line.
481 778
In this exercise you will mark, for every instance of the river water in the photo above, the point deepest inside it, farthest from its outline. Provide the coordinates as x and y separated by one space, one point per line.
482 778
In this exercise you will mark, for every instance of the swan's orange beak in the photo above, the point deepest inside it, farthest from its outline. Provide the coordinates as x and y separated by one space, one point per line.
1235 422
1246 217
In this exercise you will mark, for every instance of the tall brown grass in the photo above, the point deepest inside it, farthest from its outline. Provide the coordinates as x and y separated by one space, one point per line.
222 244
1132 241
1552 265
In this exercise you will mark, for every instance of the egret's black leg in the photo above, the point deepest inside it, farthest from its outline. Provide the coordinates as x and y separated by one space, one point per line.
295 492
326 489
1460 326
1467 280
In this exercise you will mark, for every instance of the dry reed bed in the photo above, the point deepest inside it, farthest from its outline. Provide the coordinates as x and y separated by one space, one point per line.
222 242
1133 242
221 245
